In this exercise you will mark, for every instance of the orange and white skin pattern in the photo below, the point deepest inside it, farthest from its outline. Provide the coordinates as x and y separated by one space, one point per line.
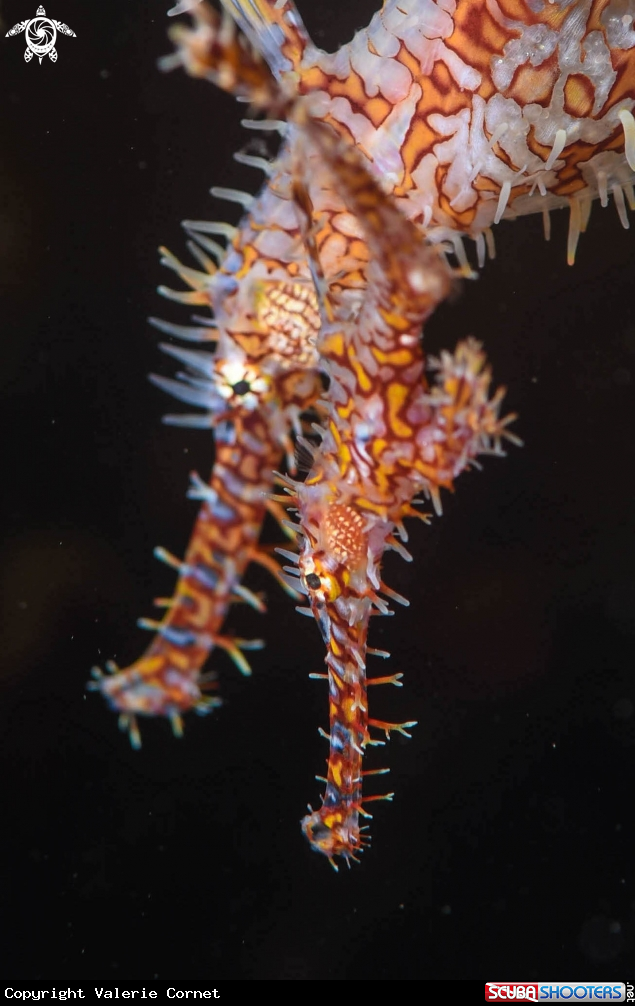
166 680
470 111
388 438
251 412
456 423
262 375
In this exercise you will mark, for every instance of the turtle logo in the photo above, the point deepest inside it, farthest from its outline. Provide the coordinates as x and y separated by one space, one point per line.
40 34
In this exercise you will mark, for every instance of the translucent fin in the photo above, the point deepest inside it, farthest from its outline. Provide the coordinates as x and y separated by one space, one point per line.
232 195
205 399
187 332
252 161
274 28
201 363
211 227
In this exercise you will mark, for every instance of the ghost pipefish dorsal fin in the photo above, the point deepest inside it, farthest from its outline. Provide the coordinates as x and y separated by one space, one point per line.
275 29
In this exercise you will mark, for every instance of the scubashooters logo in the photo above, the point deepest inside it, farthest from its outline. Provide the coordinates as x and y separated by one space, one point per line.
40 34
569 992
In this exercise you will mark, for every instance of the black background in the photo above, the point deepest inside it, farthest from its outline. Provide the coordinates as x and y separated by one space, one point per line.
508 852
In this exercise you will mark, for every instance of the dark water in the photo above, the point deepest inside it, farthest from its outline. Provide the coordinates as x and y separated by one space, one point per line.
508 849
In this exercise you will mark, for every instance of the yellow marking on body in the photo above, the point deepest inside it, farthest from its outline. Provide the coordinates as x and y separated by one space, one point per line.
314 480
345 457
382 481
180 659
332 345
250 255
378 447
451 387
344 411
398 357
336 772
378 508
432 474
313 79
254 344
396 395
348 709
363 379
377 110
331 819
395 321
351 88
151 664
534 83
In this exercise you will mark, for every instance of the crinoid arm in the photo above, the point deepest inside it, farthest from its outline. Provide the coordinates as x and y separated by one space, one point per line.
216 50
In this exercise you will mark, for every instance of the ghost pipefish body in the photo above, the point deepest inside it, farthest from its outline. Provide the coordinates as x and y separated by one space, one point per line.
466 112
388 437
259 379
